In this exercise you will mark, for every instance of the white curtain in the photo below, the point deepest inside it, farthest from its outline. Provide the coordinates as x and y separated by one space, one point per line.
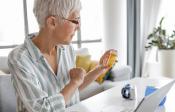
115 28
149 15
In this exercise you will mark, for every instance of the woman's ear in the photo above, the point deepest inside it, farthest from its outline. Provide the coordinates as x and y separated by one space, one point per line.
51 22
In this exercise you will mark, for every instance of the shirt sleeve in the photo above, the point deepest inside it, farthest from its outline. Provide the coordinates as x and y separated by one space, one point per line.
30 92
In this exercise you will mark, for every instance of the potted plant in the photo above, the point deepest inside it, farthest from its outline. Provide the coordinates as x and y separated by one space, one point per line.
166 49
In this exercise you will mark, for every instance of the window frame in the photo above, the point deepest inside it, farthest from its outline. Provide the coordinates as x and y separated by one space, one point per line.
79 40
25 27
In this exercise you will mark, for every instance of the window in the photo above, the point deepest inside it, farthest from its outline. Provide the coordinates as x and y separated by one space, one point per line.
92 27
32 23
167 11
13 26
12 23
91 23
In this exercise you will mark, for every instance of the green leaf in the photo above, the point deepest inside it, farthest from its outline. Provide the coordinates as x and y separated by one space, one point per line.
159 36
150 36
147 47
154 41
161 21
150 43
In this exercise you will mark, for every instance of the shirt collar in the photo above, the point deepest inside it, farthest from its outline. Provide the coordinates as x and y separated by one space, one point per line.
32 48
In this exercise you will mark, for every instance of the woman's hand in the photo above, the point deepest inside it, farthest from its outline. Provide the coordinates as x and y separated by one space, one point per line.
77 76
105 58
76 79
100 69
104 61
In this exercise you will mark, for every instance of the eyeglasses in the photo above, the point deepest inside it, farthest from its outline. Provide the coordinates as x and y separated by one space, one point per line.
73 21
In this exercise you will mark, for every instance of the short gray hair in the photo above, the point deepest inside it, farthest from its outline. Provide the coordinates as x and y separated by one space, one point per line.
60 8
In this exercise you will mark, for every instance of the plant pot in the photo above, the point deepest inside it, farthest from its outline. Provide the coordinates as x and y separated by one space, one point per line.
166 58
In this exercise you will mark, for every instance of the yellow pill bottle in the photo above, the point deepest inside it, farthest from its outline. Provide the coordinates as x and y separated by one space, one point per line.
111 61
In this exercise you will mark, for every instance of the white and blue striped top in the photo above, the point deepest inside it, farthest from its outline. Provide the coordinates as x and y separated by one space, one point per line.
37 87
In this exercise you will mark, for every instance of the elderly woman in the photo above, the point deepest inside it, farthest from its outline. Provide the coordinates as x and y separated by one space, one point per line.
43 68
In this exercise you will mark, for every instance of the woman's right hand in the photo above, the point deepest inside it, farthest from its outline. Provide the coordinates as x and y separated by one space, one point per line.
77 76
76 79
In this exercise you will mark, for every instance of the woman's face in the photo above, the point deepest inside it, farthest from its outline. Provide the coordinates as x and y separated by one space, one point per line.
65 31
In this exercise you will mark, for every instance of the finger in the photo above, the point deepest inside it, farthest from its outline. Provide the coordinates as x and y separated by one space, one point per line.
105 58
104 66
101 59
112 51
107 55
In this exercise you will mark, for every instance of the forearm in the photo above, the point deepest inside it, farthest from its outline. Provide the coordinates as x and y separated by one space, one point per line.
68 91
89 78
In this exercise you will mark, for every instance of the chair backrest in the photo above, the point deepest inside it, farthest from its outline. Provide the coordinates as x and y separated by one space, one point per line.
3 64
7 94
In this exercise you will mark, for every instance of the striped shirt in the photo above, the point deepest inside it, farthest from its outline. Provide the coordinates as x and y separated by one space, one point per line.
37 87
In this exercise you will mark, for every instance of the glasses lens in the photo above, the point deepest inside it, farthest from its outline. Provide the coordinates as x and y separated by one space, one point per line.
75 22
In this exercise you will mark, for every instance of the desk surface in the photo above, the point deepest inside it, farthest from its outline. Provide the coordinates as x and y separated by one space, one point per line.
112 97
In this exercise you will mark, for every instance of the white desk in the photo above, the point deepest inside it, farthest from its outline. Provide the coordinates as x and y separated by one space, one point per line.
112 97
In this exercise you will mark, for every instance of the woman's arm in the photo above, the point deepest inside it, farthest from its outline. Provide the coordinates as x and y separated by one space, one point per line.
103 66
32 95
77 78
92 75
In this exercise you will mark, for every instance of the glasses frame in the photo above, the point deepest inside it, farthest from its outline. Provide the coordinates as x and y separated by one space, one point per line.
73 21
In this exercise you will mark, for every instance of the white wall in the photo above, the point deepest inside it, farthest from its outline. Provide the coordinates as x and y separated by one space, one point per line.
115 31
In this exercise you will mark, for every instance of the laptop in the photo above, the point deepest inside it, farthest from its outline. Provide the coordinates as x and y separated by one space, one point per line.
148 103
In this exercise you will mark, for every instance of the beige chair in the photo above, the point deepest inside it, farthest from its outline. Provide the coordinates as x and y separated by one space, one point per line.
7 94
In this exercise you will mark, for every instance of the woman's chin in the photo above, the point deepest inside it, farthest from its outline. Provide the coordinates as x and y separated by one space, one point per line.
68 41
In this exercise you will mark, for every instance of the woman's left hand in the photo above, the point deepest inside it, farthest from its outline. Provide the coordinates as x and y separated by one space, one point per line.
103 65
105 58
